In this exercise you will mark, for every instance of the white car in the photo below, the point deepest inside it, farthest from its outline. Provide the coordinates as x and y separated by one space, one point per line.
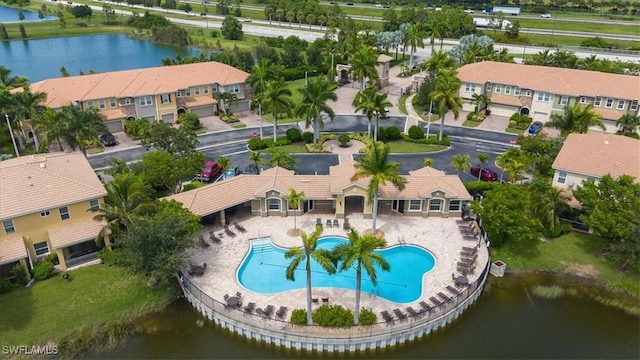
469 11
546 16
378 5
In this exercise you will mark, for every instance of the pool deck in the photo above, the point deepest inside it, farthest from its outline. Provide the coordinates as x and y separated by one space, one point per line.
440 236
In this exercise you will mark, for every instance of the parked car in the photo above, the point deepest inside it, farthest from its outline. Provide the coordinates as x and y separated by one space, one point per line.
229 173
349 4
378 5
210 170
469 11
247 20
251 170
546 16
107 139
487 174
535 127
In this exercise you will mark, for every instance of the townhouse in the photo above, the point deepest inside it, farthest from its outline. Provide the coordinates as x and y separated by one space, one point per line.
47 206
541 91
155 94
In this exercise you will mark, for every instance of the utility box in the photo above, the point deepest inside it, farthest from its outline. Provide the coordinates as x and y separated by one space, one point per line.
498 268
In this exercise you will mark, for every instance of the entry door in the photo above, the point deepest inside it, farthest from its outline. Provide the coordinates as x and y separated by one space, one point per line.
398 205
307 206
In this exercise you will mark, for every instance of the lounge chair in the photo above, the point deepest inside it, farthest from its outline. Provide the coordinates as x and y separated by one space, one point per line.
426 306
385 315
238 294
436 301
325 300
444 297
453 290
411 311
281 312
213 237
226 296
314 300
345 225
269 310
228 231
239 227
249 307
329 223
399 314
319 222
336 223
466 248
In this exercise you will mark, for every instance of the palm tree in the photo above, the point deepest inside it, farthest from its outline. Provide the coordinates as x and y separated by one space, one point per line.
482 102
277 100
628 124
256 158
294 199
27 106
446 95
515 168
360 253
380 103
503 159
227 99
305 253
427 162
363 101
482 159
460 162
547 202
281 158
414 39
52 127
375 165
363 65
314 104
224 162
438 61
82 126
261 74
127 197
576 119
11 82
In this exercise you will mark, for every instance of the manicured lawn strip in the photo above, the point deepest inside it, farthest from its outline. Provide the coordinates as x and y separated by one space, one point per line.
469 123
546 40
566 251
402 106
410 147
560 25
511 130
95 295
291 148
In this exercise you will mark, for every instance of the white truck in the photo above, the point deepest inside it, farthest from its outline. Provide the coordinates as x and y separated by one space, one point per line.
491 23
515 11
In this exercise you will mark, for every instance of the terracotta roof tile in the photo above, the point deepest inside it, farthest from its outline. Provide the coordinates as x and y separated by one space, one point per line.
12 250
506 100
40 182
597 154
75 232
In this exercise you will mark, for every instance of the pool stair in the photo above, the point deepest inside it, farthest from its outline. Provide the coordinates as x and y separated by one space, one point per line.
261 245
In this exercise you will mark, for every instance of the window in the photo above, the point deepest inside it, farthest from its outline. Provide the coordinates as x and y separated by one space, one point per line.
94 205
45 213
609 103
166 98
597 102
415 205
454 205
234 89
206 89
273 204
488 87
544 97
435 205
64 213
127 101
90 105
564 100
145 100
528 93
102 104
197 90
498 89
178 94
214 87
187 92
562 177
620 105
516 91
41 248
8 227
583 100
634 105
112 102
507 90
469 87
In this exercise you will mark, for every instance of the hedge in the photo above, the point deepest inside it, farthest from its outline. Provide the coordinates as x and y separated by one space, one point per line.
431 140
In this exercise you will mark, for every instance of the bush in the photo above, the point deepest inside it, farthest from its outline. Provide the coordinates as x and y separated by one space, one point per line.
416 132
137 128
43 270
109 257
5 285
367 317
189 120
229 118
433 140
480 187
344 140
299 316
294 134
382 135
476 117
487 112
393 133
20 274
522 121
53 258
192 185
307 137
334 315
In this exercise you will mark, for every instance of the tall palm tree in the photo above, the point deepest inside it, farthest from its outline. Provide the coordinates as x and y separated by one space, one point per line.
277 100
547 202
414 38
261 74
460 162
127 197
51 125
256 158
438 61
82 126
227 99
576 119
305 253
628 124
363 65
375 165
503 159
427 162
363 101
446 94
482 102
514 168
294 199
482 159
27 106
380 103
314 103
360 253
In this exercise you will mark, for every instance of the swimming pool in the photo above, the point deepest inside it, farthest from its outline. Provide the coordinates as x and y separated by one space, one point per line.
263 271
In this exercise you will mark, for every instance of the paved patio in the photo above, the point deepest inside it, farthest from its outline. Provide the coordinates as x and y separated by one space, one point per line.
440 236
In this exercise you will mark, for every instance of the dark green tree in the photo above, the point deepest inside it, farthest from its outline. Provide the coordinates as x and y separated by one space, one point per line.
81 11
231 28
163 171
163 136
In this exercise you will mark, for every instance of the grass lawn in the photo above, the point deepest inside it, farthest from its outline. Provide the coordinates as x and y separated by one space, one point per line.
511 130
469 123
96 294
410 147
574 253
402 106
291 148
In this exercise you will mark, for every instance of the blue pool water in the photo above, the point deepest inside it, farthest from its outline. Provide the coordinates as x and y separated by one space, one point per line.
263 271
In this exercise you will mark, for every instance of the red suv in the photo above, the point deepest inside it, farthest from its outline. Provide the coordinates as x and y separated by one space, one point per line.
487 174
210 170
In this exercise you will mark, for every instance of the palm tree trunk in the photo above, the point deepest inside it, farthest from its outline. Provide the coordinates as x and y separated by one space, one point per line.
442 125
374 213
275 126
36 143
309 318
369 129
315 132
294 219
375 129
441 42
356 313
411 60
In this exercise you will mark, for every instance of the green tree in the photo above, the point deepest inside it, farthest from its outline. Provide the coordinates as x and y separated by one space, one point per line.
162 170
83 127
446 95
227 99
546 203
277 100
540 151
482 159
64 72
315 96
281 158
460 162
482 102
261 74
576 119
163 136
414 38
256 158
373 105
231 28
224 162
360 253
11 82
51 126
306 252
628 124
294 199
20 15
375 165
515 168
26 106
427 162
438 61
363 65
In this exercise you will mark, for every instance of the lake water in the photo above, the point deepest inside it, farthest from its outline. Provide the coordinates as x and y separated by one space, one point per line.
41 59
10 15
507 322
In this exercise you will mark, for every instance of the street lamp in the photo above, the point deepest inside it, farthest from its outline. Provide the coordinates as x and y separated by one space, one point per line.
306 76
13 139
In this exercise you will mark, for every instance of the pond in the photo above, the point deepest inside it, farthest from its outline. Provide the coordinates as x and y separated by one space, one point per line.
11 15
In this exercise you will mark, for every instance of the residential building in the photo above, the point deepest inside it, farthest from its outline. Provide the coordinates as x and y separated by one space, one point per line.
541 91
428 193
156 94
47 205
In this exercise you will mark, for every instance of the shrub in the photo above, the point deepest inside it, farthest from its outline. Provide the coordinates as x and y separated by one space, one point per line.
326 137
255 144
192 185
382 135
43 270
137 128
522 121
53 258
189 120
344 140
446 141
20 274
229 118
5 285
487 112
480 187
393 133
476 117
318 148
110 257
294 134
299 316
334 315
307 137
415 132
367 317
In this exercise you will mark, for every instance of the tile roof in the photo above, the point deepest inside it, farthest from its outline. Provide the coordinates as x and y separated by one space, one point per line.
505 100
382 58
597 154
12 250
75 232
608 114
34 183
553 80
133 83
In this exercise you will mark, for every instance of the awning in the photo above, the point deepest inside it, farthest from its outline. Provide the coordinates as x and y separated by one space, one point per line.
12 250
75 232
